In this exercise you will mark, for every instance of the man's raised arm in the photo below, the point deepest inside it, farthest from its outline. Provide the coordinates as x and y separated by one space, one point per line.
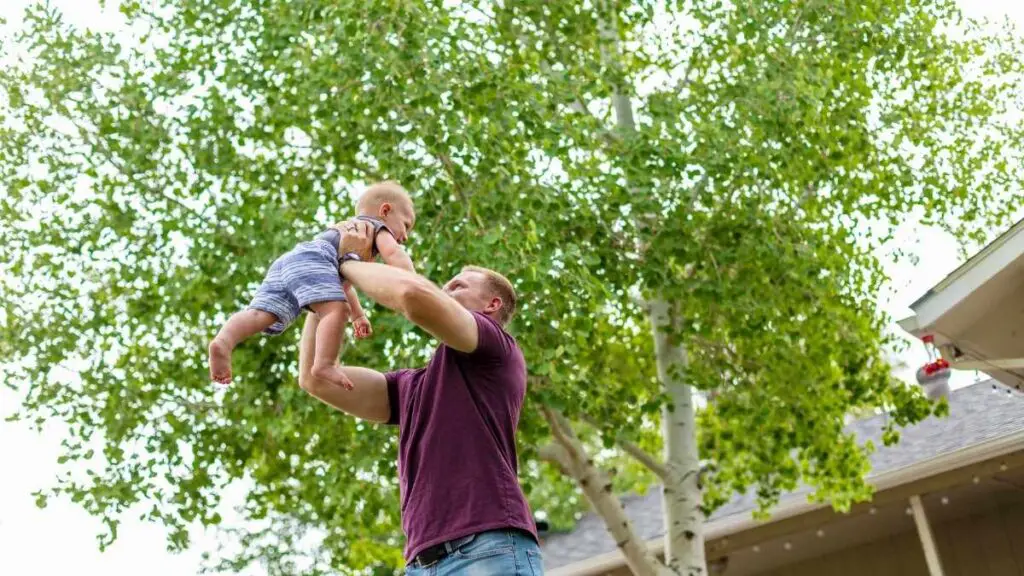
409 294
367 400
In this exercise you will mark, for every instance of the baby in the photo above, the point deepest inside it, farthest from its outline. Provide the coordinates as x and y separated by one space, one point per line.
307 278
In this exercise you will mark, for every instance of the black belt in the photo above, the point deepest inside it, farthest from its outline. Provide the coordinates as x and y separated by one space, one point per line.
437 552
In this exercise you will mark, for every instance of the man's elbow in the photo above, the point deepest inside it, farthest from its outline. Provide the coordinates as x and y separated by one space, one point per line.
310 384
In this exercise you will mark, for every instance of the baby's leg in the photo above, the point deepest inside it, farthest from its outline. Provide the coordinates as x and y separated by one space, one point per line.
330 336
240 326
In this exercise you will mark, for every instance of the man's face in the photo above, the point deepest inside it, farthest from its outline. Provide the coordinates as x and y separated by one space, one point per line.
469 288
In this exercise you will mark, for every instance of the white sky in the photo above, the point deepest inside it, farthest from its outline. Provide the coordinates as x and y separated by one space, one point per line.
61 538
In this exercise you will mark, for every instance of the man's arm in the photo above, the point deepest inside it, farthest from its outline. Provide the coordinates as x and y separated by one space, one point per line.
416 298
412 295
368 400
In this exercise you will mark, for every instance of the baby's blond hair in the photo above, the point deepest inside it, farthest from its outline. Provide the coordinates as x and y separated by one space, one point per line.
386 191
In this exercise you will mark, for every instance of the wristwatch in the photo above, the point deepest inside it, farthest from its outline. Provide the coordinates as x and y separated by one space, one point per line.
349 256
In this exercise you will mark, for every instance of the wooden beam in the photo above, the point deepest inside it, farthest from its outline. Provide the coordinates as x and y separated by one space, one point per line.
984 365
924 531
823 516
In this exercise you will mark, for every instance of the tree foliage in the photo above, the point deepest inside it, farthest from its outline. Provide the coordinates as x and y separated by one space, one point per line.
152 176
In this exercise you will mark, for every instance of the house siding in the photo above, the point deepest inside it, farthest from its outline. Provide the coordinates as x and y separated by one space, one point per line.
989 543
897 555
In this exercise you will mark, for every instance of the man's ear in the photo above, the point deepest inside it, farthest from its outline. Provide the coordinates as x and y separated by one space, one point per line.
494 305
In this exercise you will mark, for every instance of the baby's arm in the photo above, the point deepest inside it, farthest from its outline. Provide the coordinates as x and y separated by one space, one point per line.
392 252
361 326
356 310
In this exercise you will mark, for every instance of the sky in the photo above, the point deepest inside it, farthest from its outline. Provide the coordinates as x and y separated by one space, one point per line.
61 538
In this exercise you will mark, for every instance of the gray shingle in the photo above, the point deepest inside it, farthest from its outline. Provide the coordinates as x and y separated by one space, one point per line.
978 413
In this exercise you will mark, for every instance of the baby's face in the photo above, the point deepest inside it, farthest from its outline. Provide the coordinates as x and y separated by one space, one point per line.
400 218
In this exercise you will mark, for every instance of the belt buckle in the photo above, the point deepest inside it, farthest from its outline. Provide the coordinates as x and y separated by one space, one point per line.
430 556
440 551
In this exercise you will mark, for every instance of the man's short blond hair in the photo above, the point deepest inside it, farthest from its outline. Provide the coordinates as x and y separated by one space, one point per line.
386 191
500 287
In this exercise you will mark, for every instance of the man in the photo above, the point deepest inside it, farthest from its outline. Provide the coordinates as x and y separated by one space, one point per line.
463 511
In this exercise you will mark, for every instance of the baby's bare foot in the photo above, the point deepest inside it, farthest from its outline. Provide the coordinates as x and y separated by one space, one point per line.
334 375
220 362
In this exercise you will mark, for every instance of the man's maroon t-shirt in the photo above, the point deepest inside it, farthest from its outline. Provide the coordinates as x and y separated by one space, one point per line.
457 459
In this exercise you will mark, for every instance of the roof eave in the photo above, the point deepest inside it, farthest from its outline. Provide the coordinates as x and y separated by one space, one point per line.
797 506
966 278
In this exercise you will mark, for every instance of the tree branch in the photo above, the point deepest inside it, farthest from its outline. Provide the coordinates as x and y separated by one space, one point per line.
639 302
641 456
119 164
451 170
569 455
638 453
557 455
560 428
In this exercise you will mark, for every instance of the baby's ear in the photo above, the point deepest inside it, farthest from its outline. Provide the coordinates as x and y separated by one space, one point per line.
385 209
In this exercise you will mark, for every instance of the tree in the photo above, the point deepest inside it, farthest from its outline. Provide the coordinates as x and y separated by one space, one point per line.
680 191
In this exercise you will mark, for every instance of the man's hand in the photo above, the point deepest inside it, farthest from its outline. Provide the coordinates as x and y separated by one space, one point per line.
362 327
356 236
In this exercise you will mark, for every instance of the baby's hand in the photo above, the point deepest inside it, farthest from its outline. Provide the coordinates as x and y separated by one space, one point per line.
361 326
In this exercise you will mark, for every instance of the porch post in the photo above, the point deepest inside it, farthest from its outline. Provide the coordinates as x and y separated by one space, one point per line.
924 531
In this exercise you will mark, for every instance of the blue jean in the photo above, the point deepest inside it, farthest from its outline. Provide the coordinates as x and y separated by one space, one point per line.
495 553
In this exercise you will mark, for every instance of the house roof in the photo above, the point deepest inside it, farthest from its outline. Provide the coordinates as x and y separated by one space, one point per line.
986 251
961 284
978 414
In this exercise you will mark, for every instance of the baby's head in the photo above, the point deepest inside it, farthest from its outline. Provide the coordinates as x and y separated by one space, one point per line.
390 202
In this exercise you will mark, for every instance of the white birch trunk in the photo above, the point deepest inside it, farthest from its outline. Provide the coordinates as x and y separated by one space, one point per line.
681 496
684 521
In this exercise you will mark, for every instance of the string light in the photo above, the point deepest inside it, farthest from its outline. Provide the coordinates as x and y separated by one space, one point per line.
821 533
787 546
873 511
757 549
976 480
945 500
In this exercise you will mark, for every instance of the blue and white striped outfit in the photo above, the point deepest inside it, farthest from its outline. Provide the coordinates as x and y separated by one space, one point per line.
308 274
